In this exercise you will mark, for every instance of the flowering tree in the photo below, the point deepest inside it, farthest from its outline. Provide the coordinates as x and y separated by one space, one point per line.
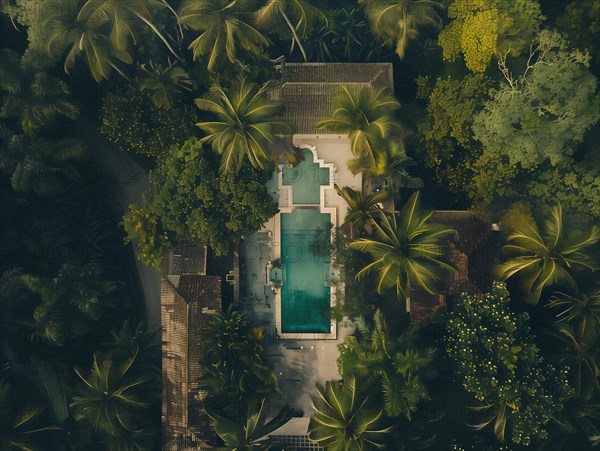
499 362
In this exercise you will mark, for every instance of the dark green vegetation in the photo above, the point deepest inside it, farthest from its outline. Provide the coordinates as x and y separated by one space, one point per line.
496 110
191 200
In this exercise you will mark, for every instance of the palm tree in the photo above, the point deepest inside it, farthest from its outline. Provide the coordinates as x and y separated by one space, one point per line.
581 352
541 260
238 369
300 12
361 207
343 418
224 30
22 425
243 432
578 422
70 301
39 166
31 95
122 17
344 37
392 362
366 118
164 83
581 309
390 166
84 38
245 125
16 324
110 397
397 22
407 252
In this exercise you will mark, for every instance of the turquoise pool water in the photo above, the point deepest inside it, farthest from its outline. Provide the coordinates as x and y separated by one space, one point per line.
305 180
304 295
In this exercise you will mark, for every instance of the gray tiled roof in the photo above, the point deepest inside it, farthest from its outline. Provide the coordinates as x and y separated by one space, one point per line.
308 90
187 305
186 258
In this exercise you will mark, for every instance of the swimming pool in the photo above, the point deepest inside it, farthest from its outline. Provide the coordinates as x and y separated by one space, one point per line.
305 294
306 179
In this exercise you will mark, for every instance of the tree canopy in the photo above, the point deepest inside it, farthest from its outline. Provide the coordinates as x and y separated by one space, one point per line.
190 199
542 113
499 363
483 29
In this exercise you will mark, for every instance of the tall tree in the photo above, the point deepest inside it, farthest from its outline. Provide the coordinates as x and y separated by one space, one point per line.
119 16
110 397
367 119
548 258
375 355
80 38
345 37
296 17
40 166
191 200
581 310
483 29
447 145
390 168
164 83
246 124
545 111
225 28
32 96
344 418
238 370
361 207
407 251
70 302
22 423
499 363
245 432
397 22
579 350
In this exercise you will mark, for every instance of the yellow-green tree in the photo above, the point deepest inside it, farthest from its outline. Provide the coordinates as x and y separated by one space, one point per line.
481 29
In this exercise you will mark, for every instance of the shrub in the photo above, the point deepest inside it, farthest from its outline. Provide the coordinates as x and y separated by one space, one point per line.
130 119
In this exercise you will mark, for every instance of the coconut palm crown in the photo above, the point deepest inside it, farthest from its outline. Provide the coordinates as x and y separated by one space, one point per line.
361 207
407 250
397 22
245 125
367 119
344 420
542 259
289 16
225 29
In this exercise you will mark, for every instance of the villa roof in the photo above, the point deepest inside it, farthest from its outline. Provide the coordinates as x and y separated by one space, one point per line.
473 250
308 90
187 304
185 258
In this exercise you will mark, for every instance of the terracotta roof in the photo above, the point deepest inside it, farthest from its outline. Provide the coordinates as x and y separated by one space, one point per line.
308 90
473 250
469 229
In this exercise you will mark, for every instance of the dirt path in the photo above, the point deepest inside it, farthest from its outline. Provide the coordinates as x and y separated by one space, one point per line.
129 181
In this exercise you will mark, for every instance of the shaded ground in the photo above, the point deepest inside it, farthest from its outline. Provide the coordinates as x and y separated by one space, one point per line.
128 181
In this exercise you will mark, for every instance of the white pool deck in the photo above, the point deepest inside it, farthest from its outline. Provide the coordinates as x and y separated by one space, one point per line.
303 361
